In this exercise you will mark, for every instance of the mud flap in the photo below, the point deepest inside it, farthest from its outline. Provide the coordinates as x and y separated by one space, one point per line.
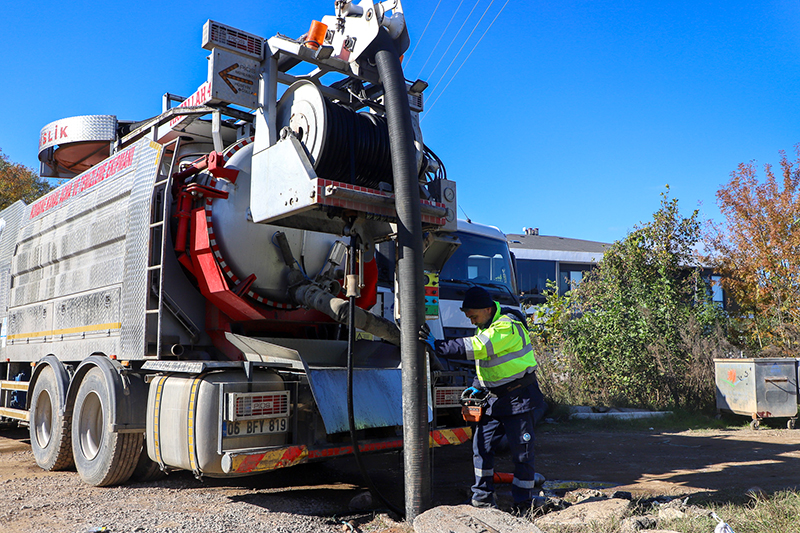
377 397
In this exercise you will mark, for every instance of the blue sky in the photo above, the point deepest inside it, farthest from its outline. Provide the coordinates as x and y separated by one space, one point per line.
568 116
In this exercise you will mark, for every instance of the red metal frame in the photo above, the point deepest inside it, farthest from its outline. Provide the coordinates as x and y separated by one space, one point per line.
210 277
214 162
227 306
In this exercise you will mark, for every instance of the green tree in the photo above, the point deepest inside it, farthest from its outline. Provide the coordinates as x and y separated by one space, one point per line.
18 182
639 312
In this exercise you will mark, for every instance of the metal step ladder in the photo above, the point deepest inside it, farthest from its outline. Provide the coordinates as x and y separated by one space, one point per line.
159 214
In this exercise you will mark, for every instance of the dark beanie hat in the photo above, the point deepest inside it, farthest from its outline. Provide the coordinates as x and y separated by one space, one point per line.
477 298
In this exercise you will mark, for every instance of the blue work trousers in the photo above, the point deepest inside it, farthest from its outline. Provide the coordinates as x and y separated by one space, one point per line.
519 429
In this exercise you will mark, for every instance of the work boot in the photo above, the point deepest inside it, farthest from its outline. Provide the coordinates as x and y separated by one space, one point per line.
484 505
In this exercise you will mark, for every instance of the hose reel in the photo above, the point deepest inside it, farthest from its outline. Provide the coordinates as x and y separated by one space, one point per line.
342 145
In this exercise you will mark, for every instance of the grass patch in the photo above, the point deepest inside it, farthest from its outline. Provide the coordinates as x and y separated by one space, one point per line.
775 513
778 512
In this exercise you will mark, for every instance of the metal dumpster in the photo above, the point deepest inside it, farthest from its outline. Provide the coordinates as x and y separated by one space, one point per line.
758 388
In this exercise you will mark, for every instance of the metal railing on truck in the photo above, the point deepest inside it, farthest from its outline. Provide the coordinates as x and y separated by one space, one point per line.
6 387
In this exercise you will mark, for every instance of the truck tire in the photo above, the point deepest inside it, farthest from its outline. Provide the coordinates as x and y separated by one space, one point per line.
49 428
102 457
147 469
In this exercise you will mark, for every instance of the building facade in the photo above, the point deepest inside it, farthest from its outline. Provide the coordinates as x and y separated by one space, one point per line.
543 258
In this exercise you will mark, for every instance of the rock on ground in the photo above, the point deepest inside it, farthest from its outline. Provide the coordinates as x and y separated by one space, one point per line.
468 519
582 495
670 513
637 523
585 513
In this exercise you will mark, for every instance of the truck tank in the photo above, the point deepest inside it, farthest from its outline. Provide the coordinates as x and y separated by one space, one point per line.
250 249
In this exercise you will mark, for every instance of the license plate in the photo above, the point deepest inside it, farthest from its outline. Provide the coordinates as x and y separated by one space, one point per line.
244 428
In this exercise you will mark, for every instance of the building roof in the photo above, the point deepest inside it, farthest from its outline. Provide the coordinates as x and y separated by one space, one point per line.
553 248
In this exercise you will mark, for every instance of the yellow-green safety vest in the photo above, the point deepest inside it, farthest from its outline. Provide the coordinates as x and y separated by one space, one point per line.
502 352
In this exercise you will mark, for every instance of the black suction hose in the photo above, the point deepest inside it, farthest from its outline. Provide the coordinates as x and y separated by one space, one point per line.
410 278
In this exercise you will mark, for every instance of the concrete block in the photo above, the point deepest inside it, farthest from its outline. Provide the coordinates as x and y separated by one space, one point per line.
468 519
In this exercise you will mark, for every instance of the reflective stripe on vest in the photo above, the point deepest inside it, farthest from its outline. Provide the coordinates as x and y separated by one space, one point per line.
487 344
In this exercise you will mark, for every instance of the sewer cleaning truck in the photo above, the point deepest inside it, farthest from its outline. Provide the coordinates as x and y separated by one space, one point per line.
201 293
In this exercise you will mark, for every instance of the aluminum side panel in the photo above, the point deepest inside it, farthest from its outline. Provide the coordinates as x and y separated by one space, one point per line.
72 245
12 217
79 272
10 221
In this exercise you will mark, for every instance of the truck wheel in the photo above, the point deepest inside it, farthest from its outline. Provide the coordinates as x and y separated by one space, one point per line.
147 469
102 457
49 428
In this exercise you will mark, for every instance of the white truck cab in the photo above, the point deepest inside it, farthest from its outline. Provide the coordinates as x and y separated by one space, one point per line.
483 259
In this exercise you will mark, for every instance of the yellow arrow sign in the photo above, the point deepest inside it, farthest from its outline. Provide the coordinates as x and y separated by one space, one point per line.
226 76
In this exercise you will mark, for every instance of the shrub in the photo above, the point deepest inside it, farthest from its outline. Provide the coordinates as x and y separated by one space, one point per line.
640 329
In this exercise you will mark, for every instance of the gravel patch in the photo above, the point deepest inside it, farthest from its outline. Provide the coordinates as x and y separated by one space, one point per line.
288 501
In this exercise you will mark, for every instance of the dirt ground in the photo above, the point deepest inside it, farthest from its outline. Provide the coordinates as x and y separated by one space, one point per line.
670 463
651 462
646 463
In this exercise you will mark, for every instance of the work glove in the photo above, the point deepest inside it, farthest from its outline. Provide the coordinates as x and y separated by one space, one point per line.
427 337
474 393
470 392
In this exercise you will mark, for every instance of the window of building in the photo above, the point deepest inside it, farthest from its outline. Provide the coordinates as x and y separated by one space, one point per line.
571 275
533 276
716 290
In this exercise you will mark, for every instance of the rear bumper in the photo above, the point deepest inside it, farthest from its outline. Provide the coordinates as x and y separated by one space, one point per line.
254 461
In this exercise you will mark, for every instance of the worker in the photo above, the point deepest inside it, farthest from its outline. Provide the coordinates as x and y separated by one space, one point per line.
505 369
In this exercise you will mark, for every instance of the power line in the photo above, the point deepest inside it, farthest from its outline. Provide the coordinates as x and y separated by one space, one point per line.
456 37
463 44
430 55
465 60
423 33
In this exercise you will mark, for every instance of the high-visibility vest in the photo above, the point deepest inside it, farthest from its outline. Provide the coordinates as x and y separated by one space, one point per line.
502 352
